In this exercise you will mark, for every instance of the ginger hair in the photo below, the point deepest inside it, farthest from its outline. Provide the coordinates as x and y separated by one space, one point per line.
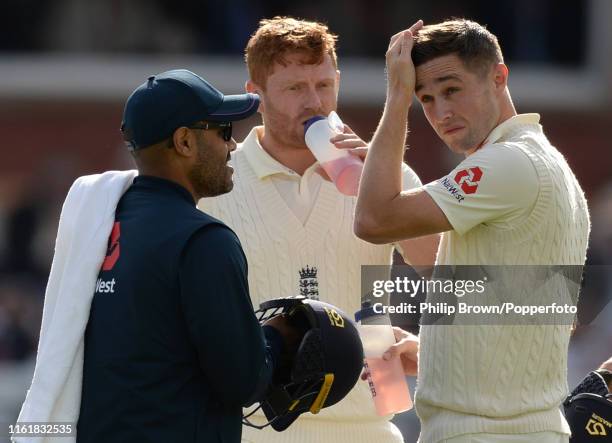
277 37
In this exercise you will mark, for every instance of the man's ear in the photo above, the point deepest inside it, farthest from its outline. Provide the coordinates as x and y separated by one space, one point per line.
254 88
337 83
500 76
183 142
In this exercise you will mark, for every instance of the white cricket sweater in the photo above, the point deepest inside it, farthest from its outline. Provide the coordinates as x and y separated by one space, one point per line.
492 378
321 259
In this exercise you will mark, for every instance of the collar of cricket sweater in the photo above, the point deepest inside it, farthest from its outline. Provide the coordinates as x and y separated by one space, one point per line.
263 163
503 129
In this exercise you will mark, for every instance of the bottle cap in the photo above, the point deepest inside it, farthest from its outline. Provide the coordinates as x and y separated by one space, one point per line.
367 310
311 120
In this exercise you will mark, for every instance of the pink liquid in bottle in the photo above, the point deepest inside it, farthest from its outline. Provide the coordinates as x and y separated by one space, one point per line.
388 386
345 172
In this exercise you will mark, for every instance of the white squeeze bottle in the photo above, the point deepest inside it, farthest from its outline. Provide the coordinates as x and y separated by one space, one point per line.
386 377
343 168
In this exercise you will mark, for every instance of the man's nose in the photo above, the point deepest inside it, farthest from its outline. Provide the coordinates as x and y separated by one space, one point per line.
232 144
313 100
442 112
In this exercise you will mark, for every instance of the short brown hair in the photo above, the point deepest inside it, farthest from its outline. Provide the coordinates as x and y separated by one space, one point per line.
278 36
471 42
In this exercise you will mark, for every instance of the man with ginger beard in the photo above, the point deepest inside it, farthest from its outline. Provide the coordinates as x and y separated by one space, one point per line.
296 227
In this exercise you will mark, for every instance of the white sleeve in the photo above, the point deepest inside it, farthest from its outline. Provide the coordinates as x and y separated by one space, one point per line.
495 185
410 179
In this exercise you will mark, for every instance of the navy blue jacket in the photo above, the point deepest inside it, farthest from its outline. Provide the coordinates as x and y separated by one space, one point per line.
173 350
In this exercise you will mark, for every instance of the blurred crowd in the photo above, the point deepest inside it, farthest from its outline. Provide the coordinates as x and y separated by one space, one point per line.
529 31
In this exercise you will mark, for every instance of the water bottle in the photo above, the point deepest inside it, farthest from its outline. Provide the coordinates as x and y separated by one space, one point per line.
343 168
385 377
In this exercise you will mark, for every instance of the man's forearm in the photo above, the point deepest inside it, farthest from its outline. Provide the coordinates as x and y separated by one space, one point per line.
384 213
381 181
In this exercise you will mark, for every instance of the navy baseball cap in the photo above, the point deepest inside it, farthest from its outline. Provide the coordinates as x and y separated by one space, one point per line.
178 98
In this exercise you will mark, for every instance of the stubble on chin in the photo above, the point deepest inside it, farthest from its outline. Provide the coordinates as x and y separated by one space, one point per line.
288 138
229 182
463 146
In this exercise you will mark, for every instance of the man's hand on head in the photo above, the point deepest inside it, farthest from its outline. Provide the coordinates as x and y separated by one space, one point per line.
401 77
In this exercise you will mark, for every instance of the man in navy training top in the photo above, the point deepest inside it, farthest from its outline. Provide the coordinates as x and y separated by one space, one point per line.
165 359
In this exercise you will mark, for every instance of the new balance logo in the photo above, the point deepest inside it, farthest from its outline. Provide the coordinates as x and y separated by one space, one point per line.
468 179
594 428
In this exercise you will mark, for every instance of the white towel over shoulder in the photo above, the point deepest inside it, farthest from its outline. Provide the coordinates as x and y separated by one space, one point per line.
84 227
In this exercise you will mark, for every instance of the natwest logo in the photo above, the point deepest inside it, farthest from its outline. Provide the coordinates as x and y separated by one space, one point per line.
468 179
113 251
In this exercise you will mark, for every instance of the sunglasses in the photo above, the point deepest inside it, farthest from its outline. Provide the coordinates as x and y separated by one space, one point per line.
225 129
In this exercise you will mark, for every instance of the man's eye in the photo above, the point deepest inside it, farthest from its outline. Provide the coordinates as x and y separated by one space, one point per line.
294 88
450 91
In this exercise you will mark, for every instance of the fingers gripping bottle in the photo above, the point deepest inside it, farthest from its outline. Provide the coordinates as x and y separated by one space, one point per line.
343 168
385 377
